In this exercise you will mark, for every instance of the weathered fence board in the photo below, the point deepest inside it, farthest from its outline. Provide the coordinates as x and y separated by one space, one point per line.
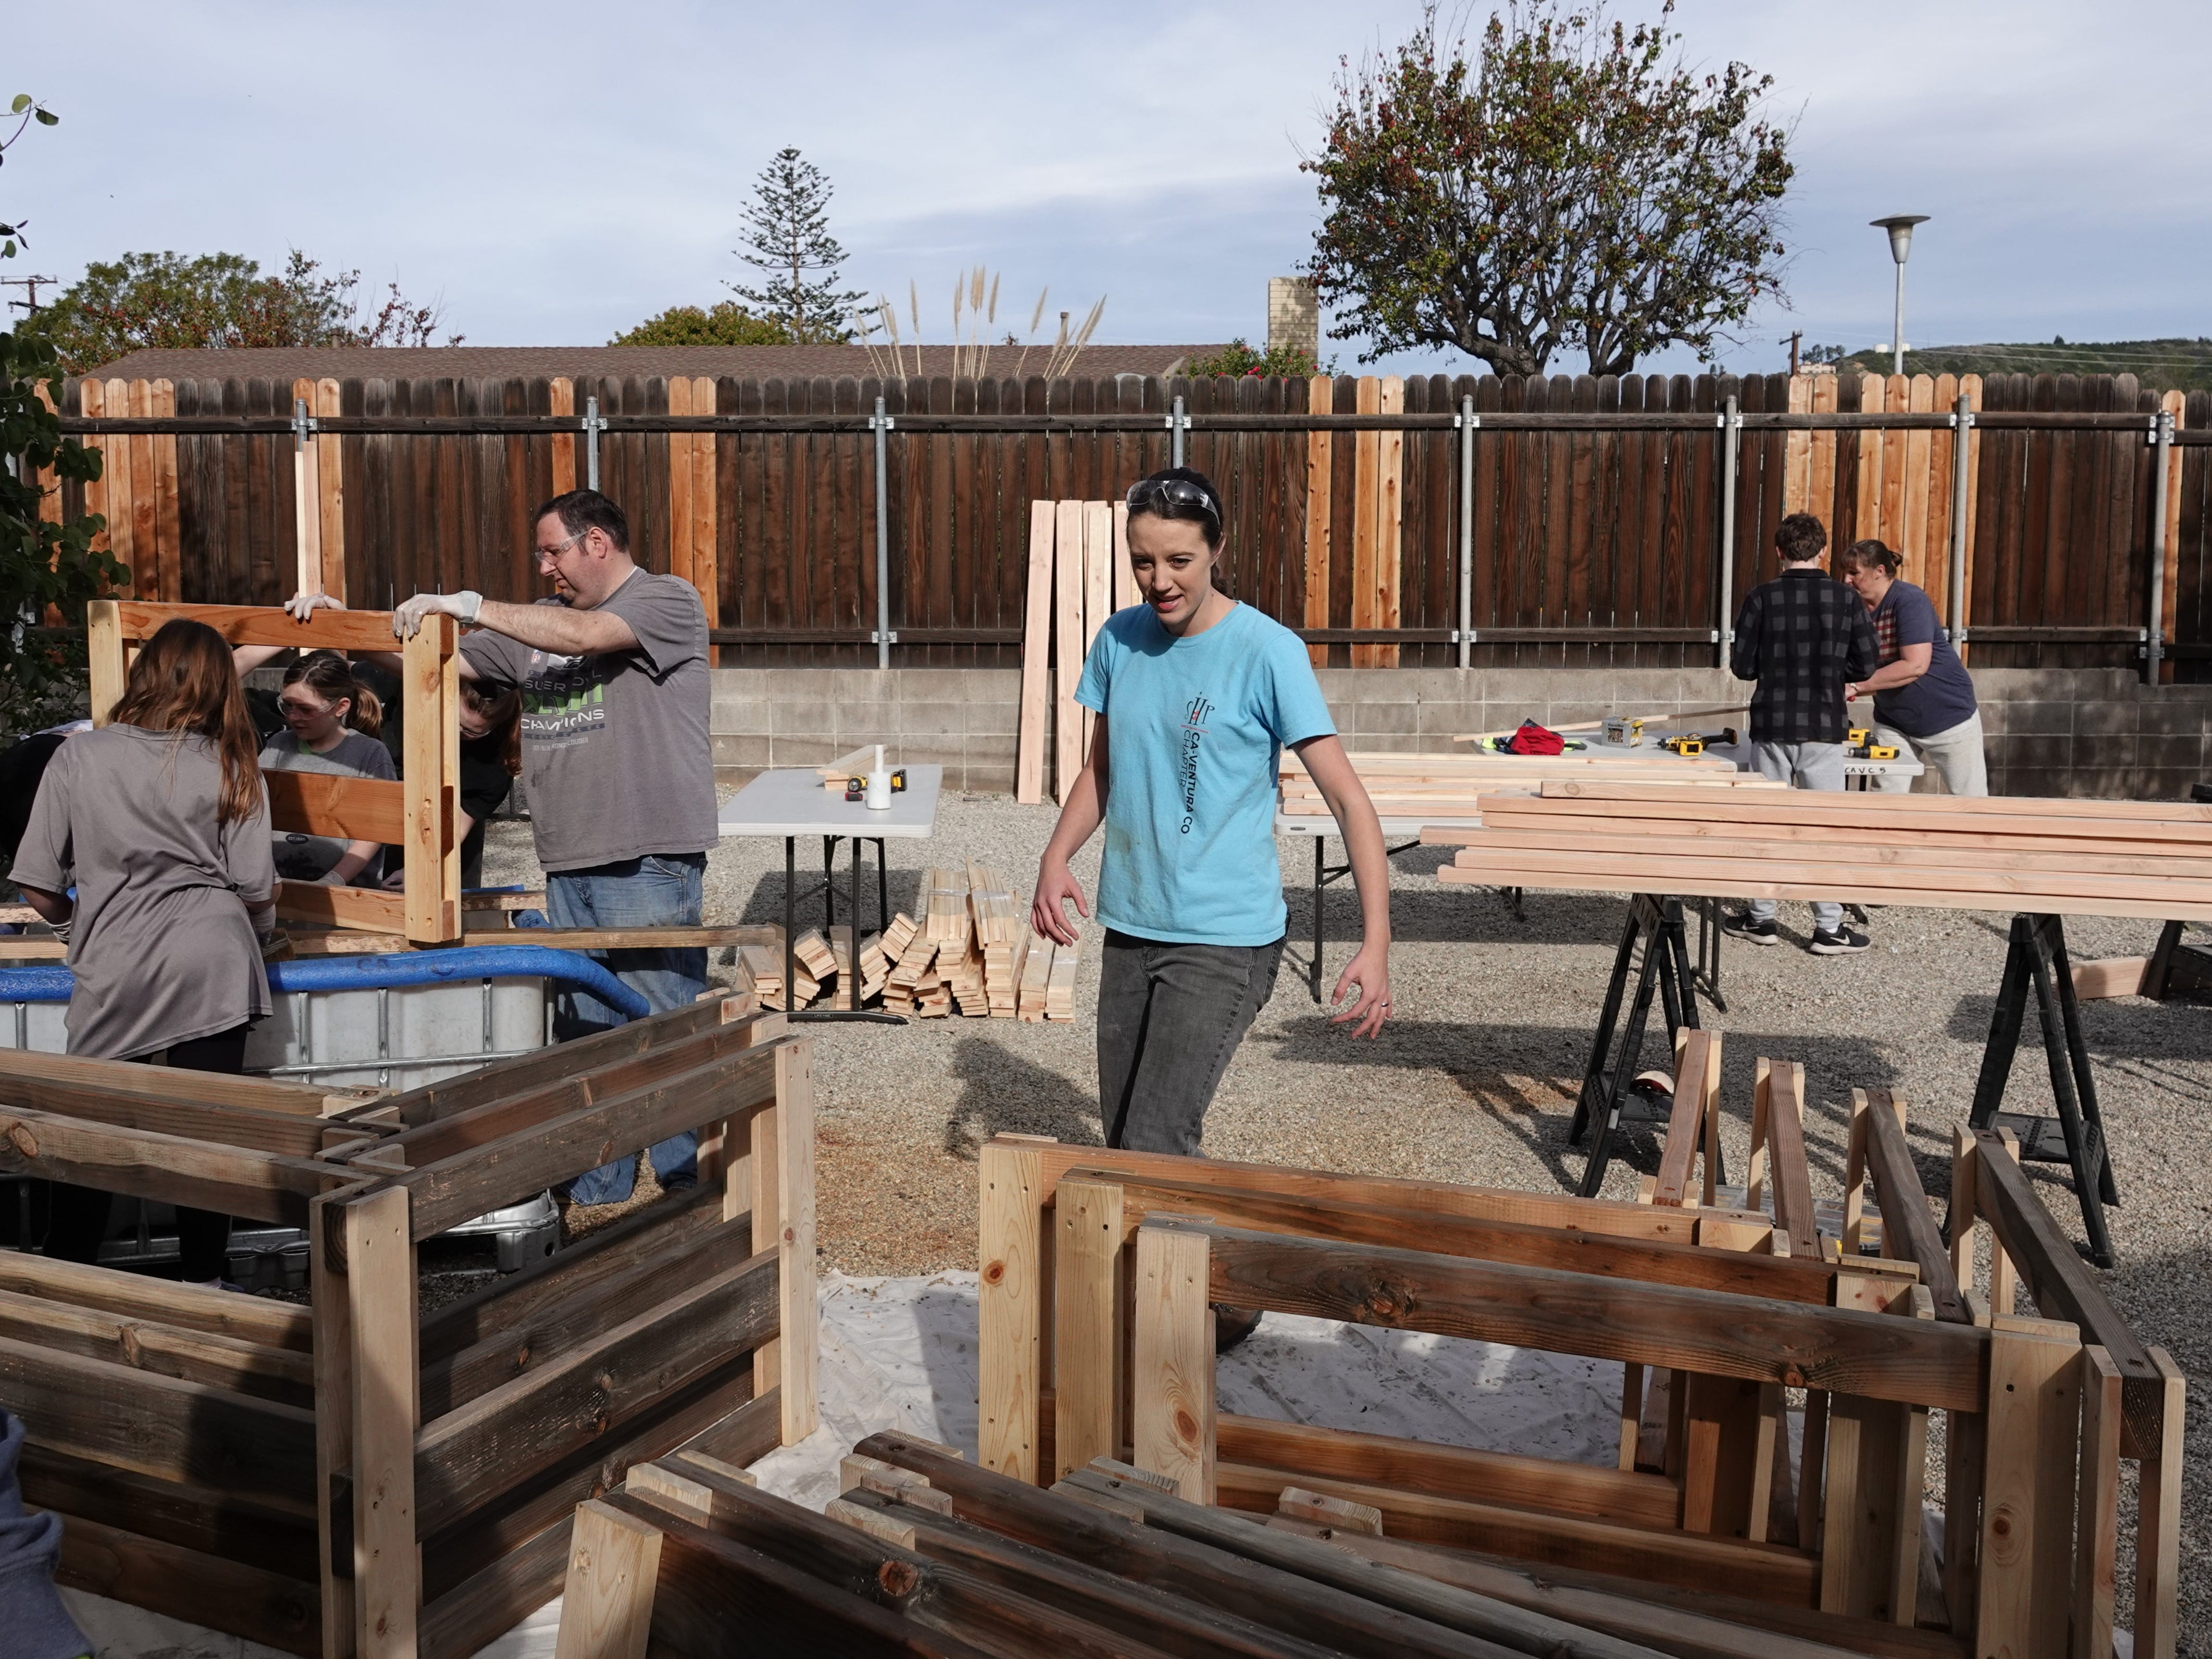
1592 544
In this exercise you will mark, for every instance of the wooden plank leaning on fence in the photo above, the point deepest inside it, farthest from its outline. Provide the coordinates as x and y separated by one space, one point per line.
422 807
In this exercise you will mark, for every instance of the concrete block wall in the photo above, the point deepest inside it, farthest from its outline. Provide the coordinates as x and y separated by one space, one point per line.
962 718
2052 732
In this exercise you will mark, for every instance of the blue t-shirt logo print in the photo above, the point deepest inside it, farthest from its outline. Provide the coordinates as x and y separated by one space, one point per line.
1194 728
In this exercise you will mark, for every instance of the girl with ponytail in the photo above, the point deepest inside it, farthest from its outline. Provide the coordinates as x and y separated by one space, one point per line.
331 723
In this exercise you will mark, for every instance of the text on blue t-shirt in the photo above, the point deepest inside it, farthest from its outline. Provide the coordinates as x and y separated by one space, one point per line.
1195 729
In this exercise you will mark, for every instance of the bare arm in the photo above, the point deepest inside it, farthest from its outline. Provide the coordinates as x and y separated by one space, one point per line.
1370 967
247 658
1085 808
1913 661
558 628
55 907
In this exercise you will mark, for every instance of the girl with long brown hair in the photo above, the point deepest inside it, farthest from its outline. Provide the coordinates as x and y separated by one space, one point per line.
160 821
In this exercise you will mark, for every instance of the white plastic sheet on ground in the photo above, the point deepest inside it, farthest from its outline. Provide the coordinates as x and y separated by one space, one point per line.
900 1354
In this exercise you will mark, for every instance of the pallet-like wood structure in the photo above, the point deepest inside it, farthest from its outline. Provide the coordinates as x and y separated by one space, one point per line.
1099 1268
2051 857
363 1477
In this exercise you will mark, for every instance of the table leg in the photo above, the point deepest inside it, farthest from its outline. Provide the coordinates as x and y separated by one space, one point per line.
883 891
790 921
1314 970
829 878
854 911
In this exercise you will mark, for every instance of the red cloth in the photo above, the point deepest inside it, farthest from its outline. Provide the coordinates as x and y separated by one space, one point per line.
1534 739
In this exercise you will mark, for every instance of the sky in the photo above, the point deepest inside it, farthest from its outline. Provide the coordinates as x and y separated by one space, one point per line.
553 173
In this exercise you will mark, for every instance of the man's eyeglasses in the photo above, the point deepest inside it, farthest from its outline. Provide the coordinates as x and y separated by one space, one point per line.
547 555
1152 494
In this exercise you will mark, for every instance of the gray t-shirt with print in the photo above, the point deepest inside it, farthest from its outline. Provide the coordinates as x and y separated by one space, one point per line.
163 949
302 857
616 755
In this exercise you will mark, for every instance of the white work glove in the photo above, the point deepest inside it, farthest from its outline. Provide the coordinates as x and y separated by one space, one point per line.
301 607
407 621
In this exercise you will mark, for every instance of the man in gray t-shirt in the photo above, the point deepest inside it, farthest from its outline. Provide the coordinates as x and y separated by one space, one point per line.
616 757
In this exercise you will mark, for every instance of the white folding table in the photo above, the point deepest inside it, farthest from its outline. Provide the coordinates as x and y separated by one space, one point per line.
791 802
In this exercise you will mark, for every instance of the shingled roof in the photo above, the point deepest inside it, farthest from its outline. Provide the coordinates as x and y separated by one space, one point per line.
580 362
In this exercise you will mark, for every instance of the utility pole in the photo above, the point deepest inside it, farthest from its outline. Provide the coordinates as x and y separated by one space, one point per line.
1795 335
30 286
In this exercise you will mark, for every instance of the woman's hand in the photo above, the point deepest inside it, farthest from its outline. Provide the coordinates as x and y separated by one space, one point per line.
304 605
1370 971
1056 885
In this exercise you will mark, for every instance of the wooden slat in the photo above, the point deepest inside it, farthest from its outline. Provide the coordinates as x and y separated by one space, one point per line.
1320 464
1171 1359
357 909
387 1572
25 1071
243 624
1036 624
1010 1244
1785 1132
1067 646
1797 1347
1884 808
607 1604
265 1323
798 1315
265 1186
469 1456
241 1599
329 804
1088 1327
1905 1205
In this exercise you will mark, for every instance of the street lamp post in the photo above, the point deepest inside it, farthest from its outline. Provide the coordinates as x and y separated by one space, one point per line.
1899 226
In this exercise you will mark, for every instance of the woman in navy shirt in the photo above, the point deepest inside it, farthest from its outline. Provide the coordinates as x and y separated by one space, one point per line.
1923 703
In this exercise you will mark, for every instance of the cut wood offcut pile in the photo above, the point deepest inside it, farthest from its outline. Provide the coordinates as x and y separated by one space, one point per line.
972 953
2048 856
363 1475
1777 1387
1437 787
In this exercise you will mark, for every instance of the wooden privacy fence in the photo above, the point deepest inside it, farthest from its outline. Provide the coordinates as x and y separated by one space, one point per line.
1427 521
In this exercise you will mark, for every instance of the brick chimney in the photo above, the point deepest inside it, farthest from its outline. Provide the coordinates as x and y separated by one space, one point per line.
1293 315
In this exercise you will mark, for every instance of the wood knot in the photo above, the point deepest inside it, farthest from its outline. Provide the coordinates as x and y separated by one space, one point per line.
897 1578
994 1273
20 1138
1793 1377
1186 1426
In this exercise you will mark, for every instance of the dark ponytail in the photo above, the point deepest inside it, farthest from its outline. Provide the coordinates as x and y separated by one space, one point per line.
330 676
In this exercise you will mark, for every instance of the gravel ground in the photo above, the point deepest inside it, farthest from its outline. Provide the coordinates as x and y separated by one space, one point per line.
1474 1080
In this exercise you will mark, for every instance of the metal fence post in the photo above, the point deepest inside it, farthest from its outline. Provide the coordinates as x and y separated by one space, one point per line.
1467 425
592 427
1731 424
880 424
1177 422
2163 474
1962 427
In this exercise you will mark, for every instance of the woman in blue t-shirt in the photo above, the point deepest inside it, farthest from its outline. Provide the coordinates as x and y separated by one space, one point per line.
1202 695
1923 702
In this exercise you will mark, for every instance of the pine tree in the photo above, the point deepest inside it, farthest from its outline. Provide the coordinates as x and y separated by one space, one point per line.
788 236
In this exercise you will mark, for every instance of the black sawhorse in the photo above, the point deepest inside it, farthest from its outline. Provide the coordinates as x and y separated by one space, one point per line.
1655 924
2076 1137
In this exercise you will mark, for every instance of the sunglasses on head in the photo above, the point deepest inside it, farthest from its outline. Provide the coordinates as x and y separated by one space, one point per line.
1154 495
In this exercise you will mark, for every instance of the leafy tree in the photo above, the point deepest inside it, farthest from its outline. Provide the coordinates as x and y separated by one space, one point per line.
728 323
1573 186
43 562
166 299
1239 359
787 237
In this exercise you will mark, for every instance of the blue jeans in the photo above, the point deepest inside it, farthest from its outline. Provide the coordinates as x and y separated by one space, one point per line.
661 890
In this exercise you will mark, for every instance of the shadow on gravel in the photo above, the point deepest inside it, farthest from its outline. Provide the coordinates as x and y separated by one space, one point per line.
763 906
1001 1091
1496 1063
2129 1027
1457 914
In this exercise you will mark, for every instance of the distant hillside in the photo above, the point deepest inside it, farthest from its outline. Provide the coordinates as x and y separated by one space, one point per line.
2158 365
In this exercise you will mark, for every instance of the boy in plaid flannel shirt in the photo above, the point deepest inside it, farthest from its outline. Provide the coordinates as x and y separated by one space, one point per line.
1803 636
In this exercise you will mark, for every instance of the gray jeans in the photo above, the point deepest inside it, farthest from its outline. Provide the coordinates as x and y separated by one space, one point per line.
1170 1019
1803 766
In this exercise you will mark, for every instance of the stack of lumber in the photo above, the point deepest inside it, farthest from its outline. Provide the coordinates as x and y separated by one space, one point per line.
1773 1430
2047 856
366 1475
927 1554
945 913
1437 787
1000 926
